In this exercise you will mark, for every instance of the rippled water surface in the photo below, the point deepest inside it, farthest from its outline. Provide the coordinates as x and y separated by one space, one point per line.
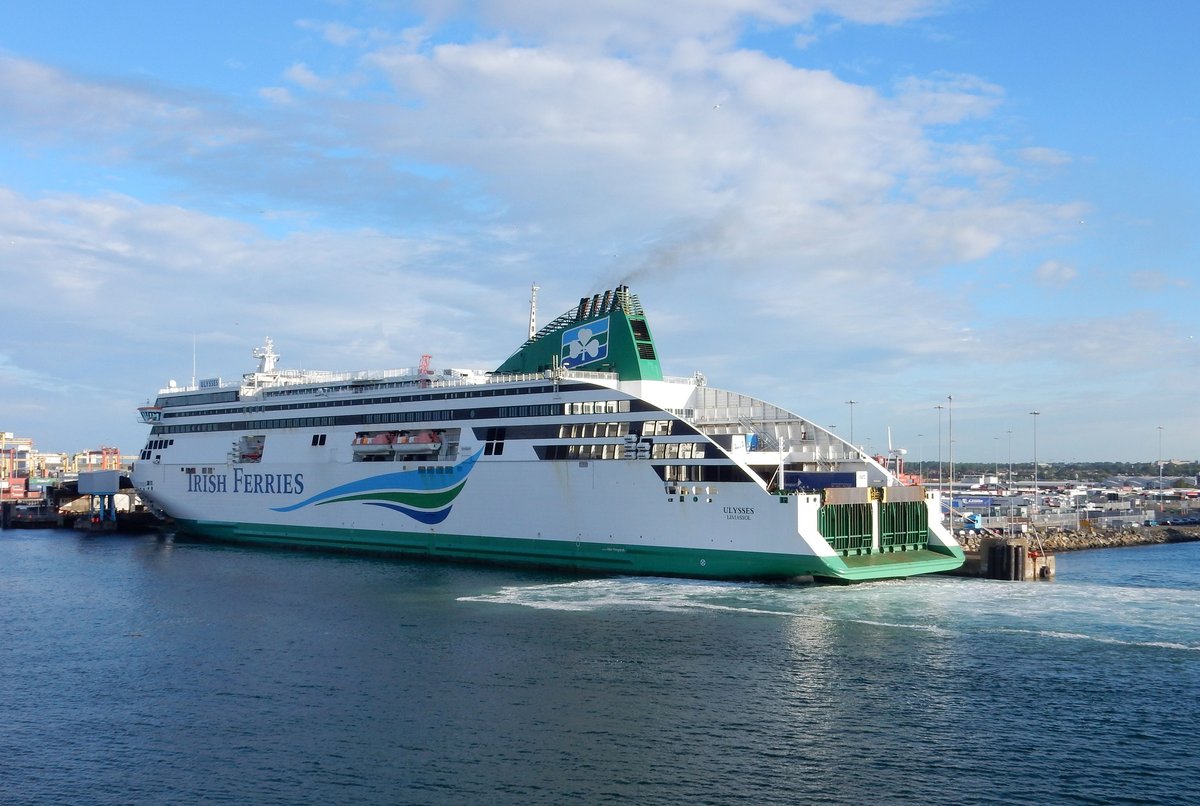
145 670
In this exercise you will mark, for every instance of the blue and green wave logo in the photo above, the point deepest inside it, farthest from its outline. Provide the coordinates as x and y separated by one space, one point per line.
425 495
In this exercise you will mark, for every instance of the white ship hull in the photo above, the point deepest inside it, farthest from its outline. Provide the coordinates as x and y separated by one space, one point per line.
579 470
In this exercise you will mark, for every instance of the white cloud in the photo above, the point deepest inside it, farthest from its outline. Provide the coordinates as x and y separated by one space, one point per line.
948 98
276 95
639 27
47 101
1157 281
14 376
300 75
1055 274
1040 155
335 33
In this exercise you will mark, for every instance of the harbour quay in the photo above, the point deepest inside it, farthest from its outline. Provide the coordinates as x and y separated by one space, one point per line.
1030 556
87 489
95 501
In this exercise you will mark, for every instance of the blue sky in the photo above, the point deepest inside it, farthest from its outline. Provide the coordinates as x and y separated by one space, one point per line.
886 201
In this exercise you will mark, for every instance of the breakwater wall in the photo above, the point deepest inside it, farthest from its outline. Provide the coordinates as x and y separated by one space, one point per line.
1052 541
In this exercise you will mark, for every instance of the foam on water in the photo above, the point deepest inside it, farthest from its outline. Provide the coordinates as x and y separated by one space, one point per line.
645 593
1142 615
673 595
1071 636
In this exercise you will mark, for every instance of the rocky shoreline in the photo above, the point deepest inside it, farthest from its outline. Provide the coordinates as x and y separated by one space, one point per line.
1053 541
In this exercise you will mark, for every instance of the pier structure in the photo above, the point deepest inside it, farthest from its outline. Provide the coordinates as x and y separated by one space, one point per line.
1009 558
101 487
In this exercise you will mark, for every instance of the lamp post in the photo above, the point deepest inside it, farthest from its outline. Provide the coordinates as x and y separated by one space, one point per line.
1010 458
950 435
1009 488
939 408
1160 469
1033 512
851 403
921 458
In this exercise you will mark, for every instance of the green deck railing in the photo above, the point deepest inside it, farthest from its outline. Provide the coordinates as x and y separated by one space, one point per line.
904 525
846 527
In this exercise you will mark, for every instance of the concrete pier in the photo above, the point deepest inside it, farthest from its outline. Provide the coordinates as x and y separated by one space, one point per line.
1041 547
1007 558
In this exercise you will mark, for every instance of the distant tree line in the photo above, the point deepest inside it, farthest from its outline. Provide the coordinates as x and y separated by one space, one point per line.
1066 471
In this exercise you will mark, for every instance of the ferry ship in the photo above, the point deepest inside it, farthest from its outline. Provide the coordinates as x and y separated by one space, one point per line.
576 452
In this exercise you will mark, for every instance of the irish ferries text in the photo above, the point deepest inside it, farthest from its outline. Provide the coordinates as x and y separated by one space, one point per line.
243 482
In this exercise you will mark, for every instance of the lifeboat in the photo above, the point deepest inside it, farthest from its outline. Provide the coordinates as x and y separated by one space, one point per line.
420 442
394 443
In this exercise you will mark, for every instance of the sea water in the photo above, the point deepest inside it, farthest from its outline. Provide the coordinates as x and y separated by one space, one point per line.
154 670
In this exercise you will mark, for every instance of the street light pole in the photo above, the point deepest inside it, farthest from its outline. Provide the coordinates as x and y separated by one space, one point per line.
1010 459
939 408
1160 469
1033 513
950 489
1009 488
851 403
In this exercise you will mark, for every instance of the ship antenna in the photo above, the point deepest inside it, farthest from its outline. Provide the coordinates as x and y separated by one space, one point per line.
266 356
533 309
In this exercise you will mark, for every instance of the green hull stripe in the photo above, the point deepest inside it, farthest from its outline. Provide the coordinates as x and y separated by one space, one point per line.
901 563
613 558
419 499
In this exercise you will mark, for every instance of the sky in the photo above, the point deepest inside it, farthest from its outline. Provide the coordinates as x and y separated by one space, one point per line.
991 206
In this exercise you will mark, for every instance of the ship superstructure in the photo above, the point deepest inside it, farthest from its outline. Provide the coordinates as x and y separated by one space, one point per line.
575 452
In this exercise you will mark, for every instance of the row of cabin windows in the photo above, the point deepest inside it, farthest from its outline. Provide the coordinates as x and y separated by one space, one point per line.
312 404
382 418
701 473
563 452
456 395
155 445
649 427
544 410
677 450
659 450
586 430
596 407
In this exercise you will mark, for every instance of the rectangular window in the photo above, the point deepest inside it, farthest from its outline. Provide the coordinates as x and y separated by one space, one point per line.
494 445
